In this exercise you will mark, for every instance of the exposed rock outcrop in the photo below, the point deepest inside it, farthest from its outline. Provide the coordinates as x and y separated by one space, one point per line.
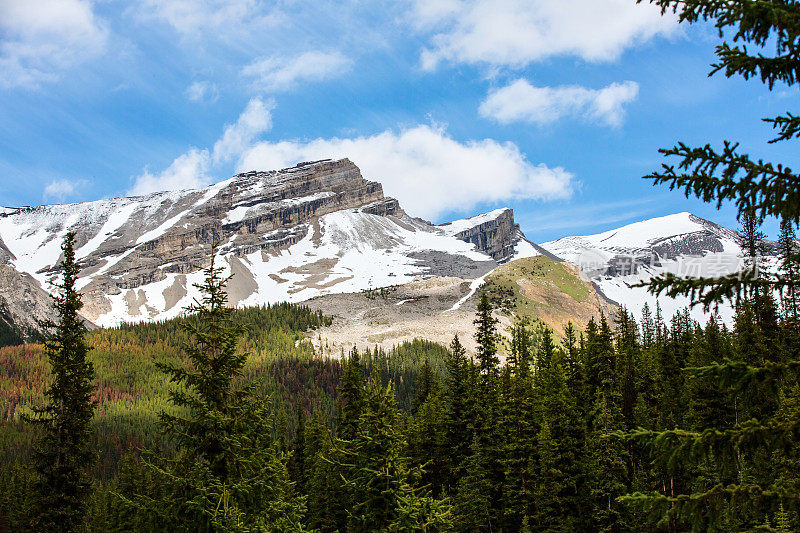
290 234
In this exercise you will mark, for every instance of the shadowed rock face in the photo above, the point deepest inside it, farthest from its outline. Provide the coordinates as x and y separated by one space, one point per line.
282 233
496 237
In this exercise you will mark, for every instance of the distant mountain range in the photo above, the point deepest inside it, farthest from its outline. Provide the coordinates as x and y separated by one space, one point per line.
315 229
682 244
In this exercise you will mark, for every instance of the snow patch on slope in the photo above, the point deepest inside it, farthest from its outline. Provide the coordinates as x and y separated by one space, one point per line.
458 226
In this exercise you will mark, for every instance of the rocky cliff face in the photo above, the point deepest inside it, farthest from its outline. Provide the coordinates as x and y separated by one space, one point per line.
495 236
291 234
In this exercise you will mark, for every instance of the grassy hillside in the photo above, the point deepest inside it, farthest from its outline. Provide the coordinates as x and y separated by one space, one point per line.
540 288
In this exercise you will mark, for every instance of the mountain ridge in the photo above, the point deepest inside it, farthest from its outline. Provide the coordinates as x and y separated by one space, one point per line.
289 234
681 243
307 231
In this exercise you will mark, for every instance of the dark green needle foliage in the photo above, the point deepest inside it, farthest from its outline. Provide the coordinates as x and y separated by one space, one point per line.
726 461
63 454
228 475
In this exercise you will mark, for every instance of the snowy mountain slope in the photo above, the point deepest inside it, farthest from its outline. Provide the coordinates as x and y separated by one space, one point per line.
292 234
682 244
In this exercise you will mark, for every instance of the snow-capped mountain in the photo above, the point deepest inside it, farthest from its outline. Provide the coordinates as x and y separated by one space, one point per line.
682 244
286 235
314 229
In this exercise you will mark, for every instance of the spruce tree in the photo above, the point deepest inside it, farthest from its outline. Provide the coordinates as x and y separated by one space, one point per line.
790 270
479 492
228 475
458 412
63 454
518 426
351 393
607 456
559 450
385 490
486 338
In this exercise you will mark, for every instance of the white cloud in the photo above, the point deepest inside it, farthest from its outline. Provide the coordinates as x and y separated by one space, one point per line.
189 171
517 32
38 40
61 189
254 120
281 73
202 91
196 18
428 171
192 170
522 102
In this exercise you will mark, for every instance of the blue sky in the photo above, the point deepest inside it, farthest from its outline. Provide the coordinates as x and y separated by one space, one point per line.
553 108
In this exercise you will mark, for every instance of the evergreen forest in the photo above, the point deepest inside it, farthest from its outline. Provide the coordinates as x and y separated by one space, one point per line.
229 420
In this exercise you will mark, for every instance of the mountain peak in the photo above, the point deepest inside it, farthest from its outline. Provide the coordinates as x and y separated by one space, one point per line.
287 235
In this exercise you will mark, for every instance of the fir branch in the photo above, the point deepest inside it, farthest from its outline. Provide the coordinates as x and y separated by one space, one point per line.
711 176
788 127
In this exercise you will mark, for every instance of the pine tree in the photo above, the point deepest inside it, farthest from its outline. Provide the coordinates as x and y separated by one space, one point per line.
426 383
484 467
648 327
426 436
459 414
486 337
518 430
327 505
559 450
63 454
607 456
383 487
790 270
297 465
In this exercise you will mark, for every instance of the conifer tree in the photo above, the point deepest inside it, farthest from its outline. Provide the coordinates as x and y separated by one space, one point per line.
486 337
458 416
648 327
747 493
227 475
790 270
63 454
351 393
383 486
518 426
426 383
479 491
559 450
327 506
426 435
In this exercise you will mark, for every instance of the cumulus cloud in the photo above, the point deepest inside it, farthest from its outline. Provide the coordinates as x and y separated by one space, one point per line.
517 32
39 40
282 73
202 91
522 102
193 169
61 189
254 120
428 171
